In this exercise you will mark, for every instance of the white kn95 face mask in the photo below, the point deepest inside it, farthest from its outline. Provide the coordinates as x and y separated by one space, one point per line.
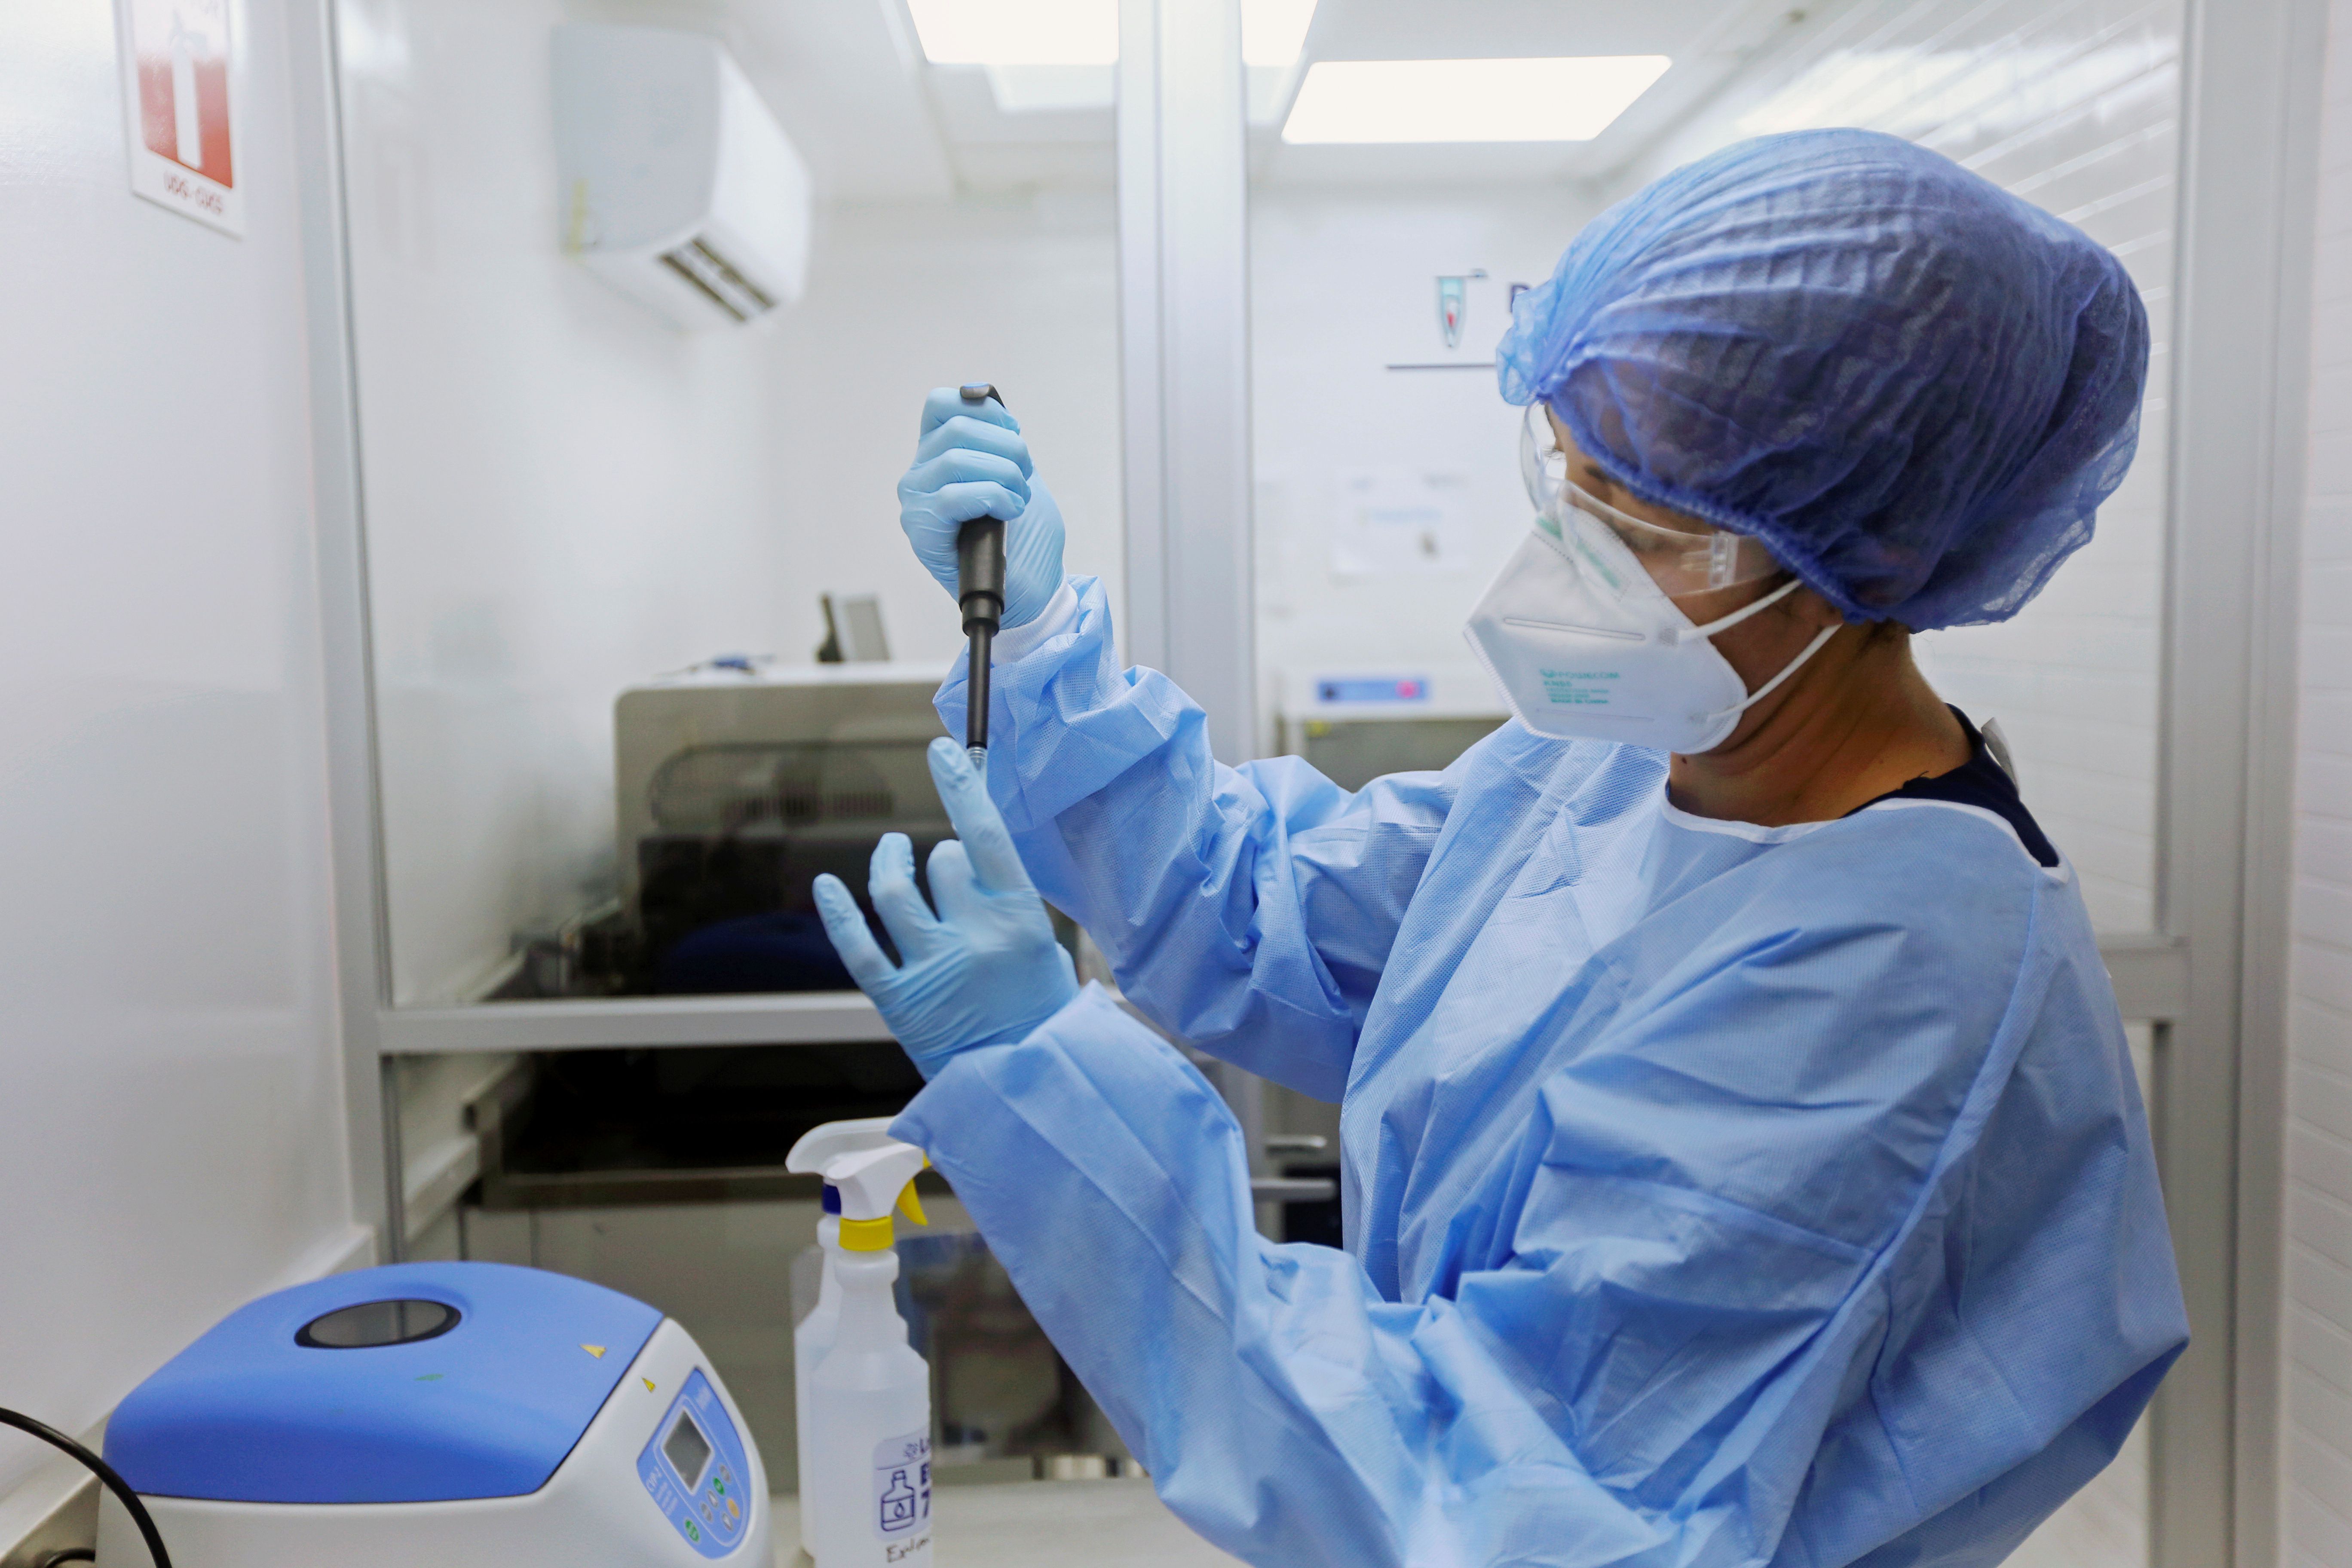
1585 645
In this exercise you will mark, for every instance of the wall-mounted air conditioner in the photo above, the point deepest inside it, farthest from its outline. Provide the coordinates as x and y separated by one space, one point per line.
677 185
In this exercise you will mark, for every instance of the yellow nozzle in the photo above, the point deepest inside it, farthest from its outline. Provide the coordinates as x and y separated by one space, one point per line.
876 1235
867 1234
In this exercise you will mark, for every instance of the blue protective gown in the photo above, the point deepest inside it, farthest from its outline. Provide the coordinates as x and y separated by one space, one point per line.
1715 1194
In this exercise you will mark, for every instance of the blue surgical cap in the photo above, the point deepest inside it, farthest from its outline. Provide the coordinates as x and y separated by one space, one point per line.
1914 387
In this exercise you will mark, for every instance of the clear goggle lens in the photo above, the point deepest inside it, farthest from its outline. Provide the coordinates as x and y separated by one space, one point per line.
1687 559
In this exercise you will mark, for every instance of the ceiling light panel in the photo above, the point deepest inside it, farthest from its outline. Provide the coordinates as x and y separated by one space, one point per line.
1568 99
1079 32
1017 32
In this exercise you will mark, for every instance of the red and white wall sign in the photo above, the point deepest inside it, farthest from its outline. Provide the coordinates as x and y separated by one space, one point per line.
181 76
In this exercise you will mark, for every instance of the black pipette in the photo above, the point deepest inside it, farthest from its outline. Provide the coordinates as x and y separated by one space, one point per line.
980 592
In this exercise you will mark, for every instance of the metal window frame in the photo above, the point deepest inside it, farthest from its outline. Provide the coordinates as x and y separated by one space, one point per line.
2239 382
355 850
1184 378
2211 978
1183 206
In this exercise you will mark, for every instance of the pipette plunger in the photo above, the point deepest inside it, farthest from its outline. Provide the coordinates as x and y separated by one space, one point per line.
980 594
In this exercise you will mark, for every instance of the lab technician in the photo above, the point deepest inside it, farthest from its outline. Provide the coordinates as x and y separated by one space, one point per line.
1742 1159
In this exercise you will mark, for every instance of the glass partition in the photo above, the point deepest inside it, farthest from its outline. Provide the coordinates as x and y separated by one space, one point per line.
2075 108
622 484
1386 248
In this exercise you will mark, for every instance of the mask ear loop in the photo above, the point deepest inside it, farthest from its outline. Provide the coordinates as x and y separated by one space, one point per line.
1688 634
1741 614
1787 671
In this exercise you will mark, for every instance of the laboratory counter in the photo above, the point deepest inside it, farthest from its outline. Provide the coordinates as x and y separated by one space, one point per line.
1043 1524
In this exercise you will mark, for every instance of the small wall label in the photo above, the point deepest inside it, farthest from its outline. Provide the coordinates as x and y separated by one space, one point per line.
182 76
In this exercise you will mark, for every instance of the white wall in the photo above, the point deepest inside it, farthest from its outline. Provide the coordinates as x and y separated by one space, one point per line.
1022 291
2074 108
565 495
1343 283
2316 1488
171 1110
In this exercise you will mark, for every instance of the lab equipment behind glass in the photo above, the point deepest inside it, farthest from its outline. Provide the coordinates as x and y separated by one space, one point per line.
1356 724
735 789
736 783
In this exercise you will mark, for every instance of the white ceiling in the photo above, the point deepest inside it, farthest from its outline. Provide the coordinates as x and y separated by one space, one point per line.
844 77
877 123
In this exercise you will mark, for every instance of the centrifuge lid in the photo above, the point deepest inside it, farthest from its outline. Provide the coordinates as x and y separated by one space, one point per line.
331 1393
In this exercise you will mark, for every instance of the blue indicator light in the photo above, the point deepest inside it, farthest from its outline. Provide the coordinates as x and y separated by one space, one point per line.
1355 688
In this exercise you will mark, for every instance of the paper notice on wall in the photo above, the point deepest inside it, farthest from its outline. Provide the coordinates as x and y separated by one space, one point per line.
1393 522
180 82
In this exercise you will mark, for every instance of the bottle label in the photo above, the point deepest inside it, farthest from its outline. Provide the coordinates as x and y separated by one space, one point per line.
902 1495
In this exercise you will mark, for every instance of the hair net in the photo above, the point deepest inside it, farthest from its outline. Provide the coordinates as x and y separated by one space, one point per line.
1914 387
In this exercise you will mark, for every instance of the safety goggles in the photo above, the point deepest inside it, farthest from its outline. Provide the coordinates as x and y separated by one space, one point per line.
1684 560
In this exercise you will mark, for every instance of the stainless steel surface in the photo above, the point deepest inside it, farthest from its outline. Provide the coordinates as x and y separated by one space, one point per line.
619 1179
1045 1524
2150 971
1294 1189
826 706
531 1192
812 1017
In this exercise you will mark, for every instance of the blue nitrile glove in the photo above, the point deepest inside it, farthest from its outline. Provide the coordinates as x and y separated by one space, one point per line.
972 462
985 970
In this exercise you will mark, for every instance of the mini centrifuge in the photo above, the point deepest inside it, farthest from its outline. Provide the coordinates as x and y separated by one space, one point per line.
439 1415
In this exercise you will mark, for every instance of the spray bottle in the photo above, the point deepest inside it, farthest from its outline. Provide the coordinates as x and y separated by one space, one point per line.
812 1335
868 1436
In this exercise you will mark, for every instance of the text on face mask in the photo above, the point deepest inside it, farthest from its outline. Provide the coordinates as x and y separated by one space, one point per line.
1577 688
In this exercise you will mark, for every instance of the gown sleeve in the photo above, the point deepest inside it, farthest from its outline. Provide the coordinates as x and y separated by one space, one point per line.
1680 1324
1247 910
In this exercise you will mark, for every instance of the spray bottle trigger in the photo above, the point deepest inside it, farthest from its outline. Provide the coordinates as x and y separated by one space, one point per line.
910 1206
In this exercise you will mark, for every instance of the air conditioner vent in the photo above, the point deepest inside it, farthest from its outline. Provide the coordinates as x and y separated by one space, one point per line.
680 187
700 263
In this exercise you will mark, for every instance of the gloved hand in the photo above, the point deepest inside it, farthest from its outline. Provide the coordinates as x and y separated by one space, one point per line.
985 970
972 462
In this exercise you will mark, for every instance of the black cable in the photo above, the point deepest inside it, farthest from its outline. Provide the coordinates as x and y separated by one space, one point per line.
70 1555
104 1472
